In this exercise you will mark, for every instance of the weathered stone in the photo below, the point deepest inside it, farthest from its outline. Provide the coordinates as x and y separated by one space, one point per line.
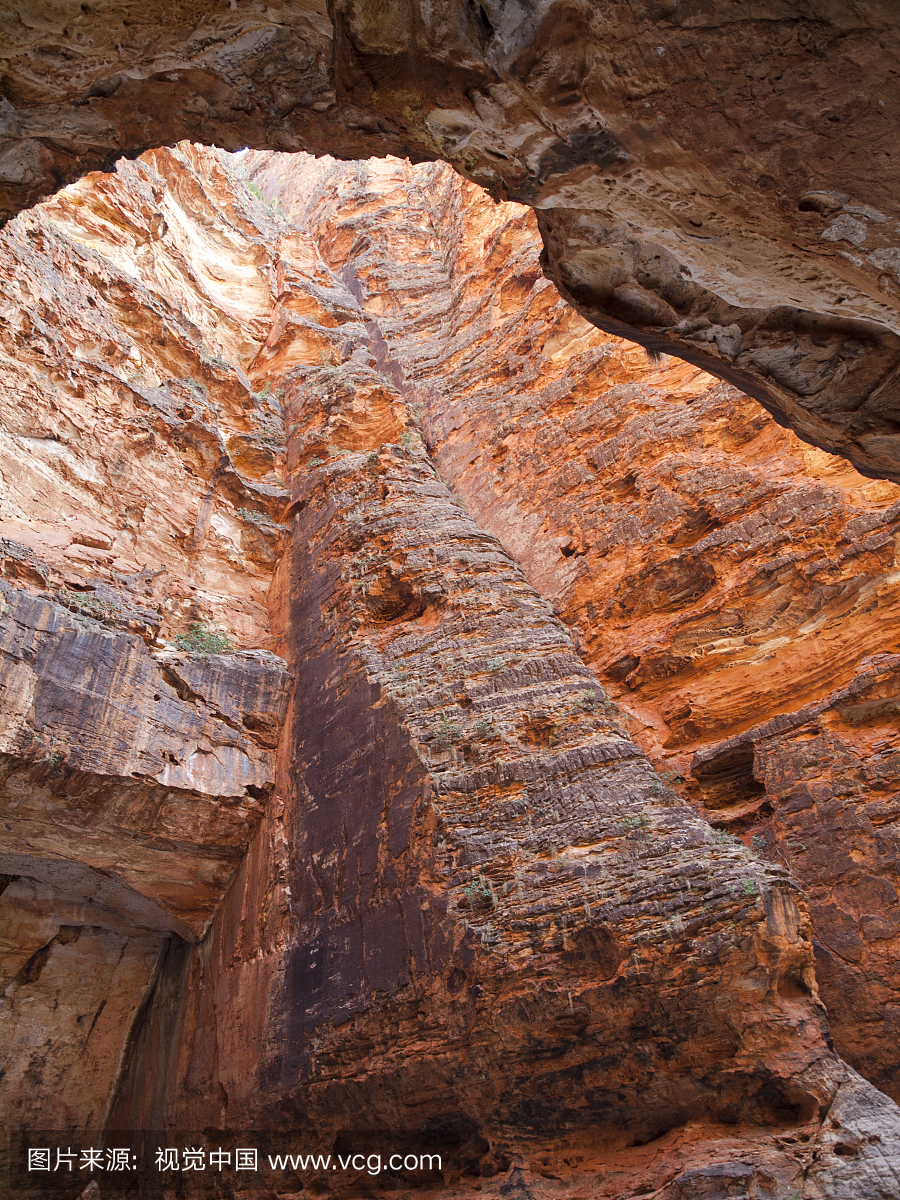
470 902
67 1076
716 183
111 768
715 569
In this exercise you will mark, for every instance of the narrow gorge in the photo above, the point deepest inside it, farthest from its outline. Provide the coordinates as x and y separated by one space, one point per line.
424 711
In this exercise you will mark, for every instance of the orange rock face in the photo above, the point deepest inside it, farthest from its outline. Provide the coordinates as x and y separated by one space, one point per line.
135 771
714 180
510 566
734 588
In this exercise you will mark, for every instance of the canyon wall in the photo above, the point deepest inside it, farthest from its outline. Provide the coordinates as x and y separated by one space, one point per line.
734 588
713 180
134 770
509 566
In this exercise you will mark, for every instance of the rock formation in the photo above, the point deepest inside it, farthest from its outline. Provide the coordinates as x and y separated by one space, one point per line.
134 776
713 180
330 422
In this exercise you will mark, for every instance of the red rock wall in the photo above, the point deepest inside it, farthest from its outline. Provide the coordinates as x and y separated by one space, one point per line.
470 901
134 771
721 575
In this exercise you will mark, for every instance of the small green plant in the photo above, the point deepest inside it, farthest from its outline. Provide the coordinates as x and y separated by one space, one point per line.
255 190
270 432
496 664
480 893
202 639
633 822
107 612
588 700
671 777
749 887
484 728
254 515
757 843
723 838
448 733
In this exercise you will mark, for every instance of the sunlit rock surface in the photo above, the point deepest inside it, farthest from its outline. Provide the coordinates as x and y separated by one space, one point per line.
135 770
336 411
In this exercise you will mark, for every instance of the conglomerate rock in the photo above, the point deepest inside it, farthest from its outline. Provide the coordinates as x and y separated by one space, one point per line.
470 905
717 180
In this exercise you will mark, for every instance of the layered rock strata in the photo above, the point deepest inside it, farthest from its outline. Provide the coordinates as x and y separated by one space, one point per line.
717 572
480 883
470 905
719 182
141 479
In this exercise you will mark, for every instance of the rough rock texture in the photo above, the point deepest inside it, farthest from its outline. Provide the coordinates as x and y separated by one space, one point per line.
718 180
65 948
472 888
716 569
107 766
134 770
470 904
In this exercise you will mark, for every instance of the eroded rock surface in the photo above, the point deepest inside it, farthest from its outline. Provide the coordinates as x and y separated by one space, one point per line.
714 180
113 770
470 903
734 588
135 770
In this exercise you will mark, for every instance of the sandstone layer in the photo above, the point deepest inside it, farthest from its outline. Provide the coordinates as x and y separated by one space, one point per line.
135 771
716 570
469 905
716 181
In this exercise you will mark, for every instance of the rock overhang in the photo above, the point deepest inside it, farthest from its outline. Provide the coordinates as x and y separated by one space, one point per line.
640 133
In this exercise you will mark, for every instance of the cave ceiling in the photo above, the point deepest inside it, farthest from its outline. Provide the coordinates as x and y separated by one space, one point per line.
713 180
